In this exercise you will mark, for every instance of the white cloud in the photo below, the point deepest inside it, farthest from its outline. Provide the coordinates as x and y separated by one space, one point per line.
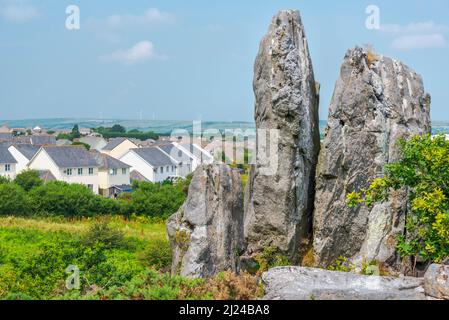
140 52
417 35
419 42
18 12
151 16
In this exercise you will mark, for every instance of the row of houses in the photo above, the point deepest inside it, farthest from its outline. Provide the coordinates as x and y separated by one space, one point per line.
106 171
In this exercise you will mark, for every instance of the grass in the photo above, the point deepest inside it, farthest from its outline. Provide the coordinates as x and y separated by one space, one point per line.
140 228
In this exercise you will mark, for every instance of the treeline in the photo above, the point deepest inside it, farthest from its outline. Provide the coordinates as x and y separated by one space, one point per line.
27 195
118 131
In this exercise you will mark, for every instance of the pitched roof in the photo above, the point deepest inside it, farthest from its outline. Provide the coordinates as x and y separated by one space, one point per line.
27 150
43 140
108 162
71 156
46 175
175 152
196 151
154 156
136 175
6 156
97 143
6 136
113 143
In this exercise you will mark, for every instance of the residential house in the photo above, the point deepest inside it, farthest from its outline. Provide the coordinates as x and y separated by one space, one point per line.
118 147
152 163
6 136
184 161
5 129
137 176
23 153
72 164
63 142
43 140
199 155
95 143
113 175
7 164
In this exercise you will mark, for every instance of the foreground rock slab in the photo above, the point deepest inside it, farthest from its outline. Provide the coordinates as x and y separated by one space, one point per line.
206 234
436 281
280 191
297 283
377 100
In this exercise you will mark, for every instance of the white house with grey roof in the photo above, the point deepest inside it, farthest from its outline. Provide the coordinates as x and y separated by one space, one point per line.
152 163
7 164
23 153
184 161
198 154
71 164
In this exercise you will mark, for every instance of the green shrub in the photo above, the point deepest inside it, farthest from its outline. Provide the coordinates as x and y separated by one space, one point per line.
102 233
156 200
271 258
13 200
342 265
28 180
158 255
424 171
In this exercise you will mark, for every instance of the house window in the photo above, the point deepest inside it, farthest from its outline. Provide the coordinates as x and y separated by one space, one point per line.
162 169
124 171
91 187
80 171
7 167
189 167
69 172
168 169
91 170
172 168
114 172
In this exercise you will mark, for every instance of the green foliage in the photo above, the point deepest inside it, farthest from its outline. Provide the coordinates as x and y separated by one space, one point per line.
424 171
75 134
13 200
342 265
64 136
102 233
85 145
158 255
118 131
271 258
28 180
4 180
156 200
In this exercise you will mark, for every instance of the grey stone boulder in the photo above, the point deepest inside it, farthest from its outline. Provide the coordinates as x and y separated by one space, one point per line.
206 234
280 190
297 283
377 100
436 281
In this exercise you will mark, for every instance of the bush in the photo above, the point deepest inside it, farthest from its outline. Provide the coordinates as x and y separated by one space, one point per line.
424 171
13 200
158 255
156 200
28 180
60 198
102 233
271 258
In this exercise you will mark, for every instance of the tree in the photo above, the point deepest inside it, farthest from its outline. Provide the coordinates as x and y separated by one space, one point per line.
118 128
75 132
28 180
13 200
424 171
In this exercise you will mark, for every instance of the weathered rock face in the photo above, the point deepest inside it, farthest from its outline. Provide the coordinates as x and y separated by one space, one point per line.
296 283
279 202
206 234
374 104
436 281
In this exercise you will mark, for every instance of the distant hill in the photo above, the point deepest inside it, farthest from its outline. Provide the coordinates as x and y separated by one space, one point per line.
161 127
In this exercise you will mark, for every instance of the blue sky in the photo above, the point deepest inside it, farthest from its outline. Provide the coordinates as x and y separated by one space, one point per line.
192 60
